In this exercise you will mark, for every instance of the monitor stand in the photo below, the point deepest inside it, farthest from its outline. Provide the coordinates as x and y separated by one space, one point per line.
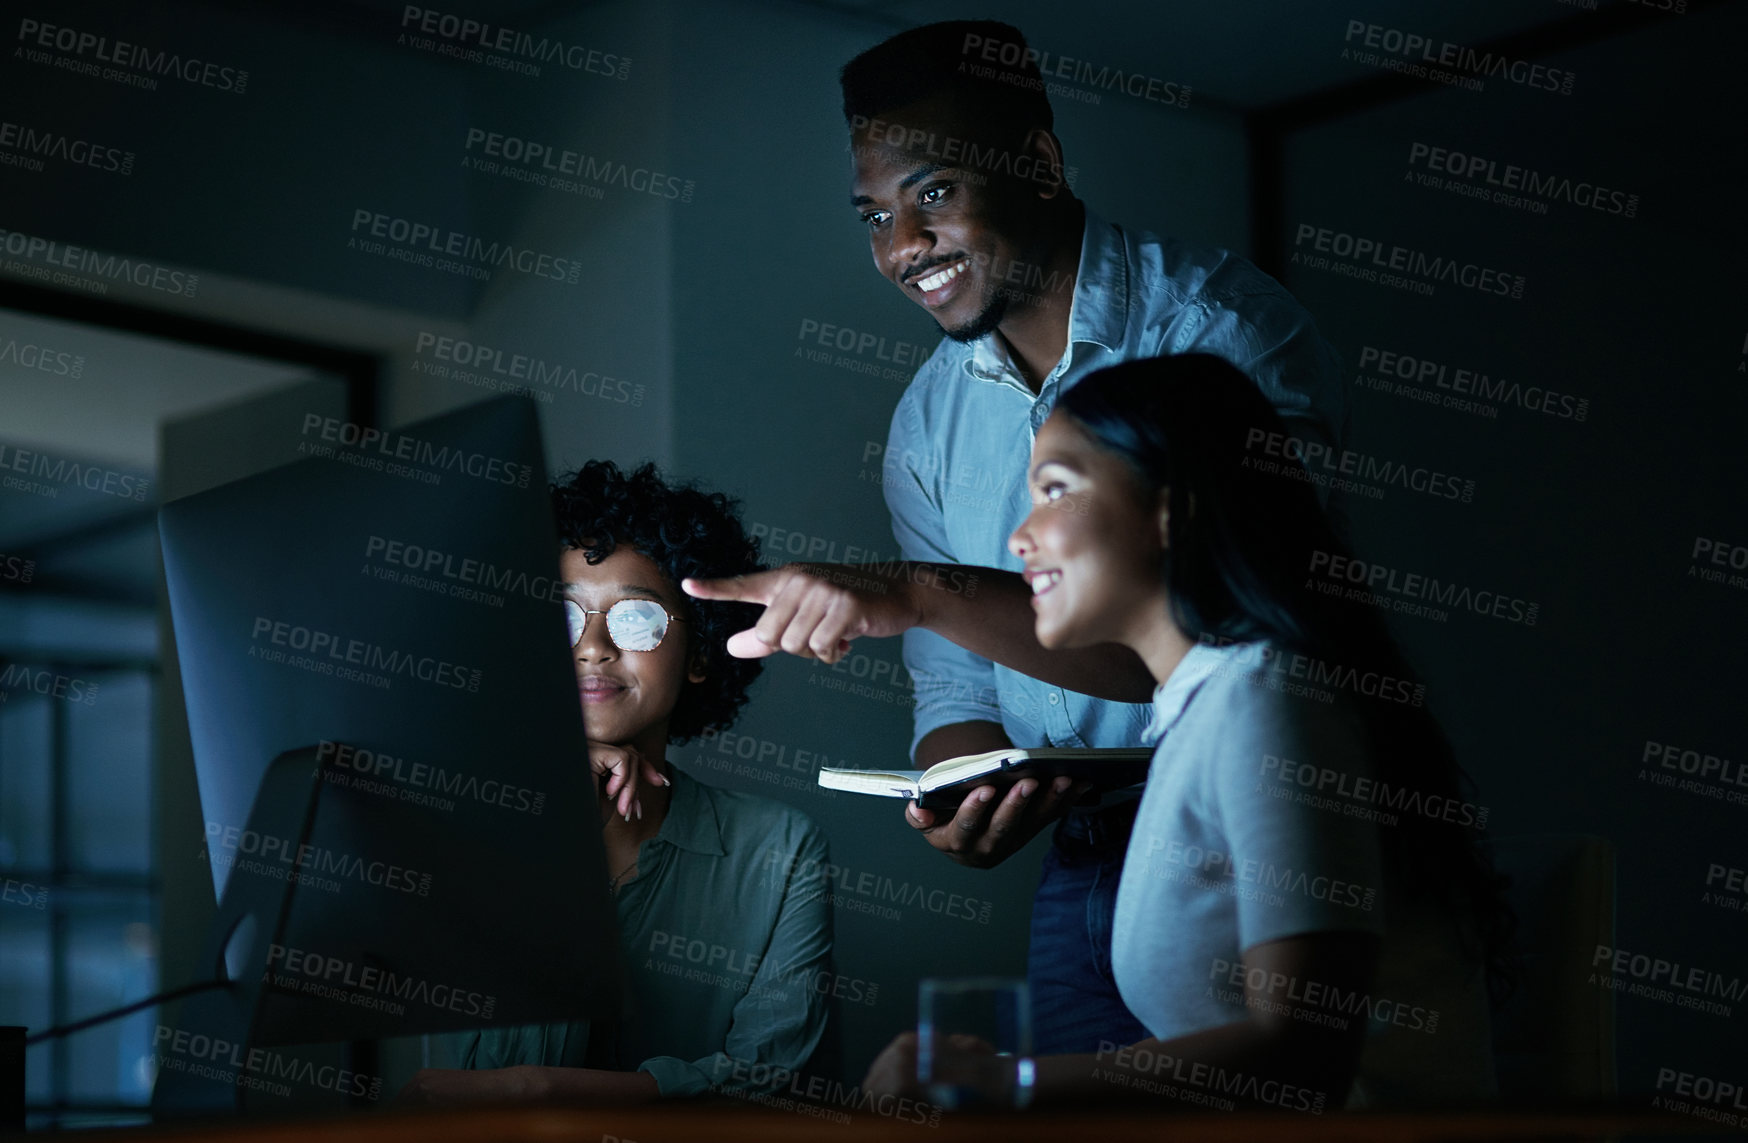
204 1063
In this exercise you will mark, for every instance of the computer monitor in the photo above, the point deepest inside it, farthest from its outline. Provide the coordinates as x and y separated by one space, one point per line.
383 618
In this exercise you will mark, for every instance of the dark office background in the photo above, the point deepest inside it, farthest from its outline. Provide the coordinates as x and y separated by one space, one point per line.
695 313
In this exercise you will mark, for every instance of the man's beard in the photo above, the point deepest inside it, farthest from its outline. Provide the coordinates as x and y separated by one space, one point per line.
983 324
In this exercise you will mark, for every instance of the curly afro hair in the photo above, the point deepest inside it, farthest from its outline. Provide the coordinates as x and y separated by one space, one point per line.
685 531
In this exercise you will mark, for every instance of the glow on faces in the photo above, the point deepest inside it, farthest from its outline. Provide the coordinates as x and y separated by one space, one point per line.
1093 543
626 696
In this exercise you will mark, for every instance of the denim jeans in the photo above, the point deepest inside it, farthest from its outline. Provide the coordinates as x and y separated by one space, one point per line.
1075 1004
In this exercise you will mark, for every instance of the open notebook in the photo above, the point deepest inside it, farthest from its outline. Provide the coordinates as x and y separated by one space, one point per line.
945 784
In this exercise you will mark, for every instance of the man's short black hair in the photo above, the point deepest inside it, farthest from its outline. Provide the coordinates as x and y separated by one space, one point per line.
984 66
685 531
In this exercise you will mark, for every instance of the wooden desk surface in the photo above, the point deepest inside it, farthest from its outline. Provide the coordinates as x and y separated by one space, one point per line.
719 1124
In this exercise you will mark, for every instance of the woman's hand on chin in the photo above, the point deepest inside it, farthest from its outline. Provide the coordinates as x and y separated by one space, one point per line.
626 770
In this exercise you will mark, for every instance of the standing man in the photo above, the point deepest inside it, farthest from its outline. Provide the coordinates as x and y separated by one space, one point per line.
958 177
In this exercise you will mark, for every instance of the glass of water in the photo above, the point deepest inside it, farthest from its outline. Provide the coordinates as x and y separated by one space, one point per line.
974 1042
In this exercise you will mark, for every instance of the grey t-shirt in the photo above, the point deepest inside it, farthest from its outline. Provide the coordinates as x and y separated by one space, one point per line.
1258 823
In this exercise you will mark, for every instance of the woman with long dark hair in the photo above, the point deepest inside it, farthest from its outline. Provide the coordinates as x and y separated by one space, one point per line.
1304 920
1303 898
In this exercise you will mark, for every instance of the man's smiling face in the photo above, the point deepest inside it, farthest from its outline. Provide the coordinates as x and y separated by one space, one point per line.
941 233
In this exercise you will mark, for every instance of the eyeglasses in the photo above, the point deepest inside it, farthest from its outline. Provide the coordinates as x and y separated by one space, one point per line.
632 624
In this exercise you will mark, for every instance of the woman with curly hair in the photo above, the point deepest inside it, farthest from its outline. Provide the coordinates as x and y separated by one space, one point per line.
719 895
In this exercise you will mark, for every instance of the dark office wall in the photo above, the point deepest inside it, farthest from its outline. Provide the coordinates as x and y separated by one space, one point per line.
259 177
605 335
1590 506
329 111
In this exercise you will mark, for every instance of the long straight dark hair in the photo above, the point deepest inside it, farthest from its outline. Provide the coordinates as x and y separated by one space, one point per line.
1245 534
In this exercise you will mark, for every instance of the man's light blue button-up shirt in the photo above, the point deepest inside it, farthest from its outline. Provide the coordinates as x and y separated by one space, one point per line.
954 471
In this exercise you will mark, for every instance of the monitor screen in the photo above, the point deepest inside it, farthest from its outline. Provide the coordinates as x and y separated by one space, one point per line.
390 606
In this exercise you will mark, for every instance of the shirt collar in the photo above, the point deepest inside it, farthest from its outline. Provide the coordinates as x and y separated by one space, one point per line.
1098 314
692 822
1172 697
